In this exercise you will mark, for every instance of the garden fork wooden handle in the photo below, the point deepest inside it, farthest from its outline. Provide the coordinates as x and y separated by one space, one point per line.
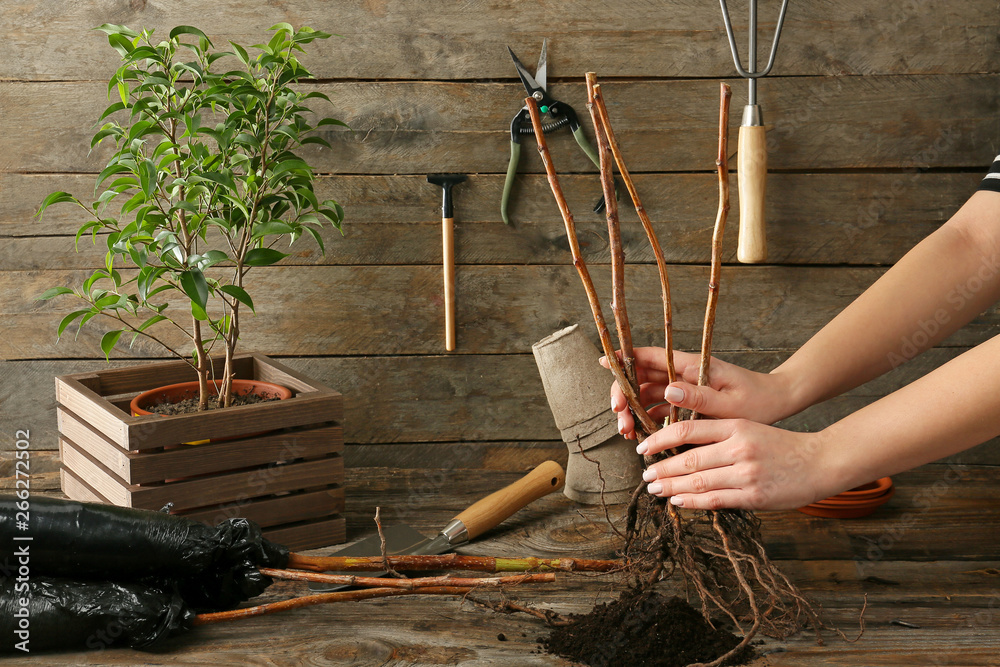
752 177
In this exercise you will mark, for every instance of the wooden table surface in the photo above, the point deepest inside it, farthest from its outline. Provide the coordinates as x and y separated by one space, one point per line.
929 558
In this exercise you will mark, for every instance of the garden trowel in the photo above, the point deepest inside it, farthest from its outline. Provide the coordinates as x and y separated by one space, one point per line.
470 524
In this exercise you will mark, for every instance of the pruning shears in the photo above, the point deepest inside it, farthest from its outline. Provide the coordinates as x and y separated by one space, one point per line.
560 113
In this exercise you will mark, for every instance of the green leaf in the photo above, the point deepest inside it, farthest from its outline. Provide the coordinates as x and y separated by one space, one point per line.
240 295
332 121
55 198
53 292
147 177
241 53
263 257
117 106
115 29
272 227
313 94
198 312
287 27
317 238
317 140
92 227
150 322
121 44
107 301
66 321
110 171
108 342
188 30
195 286
223 179
289 165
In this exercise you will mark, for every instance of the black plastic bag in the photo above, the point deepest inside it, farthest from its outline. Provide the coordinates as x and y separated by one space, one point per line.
50 614
213 568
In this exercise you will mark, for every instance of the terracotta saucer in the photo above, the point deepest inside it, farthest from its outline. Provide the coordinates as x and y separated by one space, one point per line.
855 503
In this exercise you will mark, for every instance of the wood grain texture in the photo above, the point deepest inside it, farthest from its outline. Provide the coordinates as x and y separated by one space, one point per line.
501 309
403 39
404 127
830 218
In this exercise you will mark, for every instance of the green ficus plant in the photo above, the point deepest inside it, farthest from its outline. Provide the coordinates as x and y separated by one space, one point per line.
203 185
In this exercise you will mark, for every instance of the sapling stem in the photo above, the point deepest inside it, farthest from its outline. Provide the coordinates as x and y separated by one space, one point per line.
618 307
722 165
647 226
646 423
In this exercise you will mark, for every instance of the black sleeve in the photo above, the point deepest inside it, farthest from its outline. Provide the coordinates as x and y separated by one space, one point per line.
992 180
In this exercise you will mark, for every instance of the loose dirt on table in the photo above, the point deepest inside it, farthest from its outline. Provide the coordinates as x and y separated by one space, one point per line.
643 629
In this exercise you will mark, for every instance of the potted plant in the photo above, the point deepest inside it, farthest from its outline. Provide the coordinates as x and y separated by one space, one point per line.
204 185
204 175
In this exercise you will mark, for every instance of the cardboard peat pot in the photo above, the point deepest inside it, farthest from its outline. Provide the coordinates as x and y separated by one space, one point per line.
577 390
278 463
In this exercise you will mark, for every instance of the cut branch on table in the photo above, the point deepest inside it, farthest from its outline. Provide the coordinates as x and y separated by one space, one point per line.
450 561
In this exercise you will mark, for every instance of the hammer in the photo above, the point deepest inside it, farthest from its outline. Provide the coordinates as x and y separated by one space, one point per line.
446 181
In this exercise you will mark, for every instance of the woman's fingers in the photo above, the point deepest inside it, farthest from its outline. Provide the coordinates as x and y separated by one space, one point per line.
704 400
687 432
740 463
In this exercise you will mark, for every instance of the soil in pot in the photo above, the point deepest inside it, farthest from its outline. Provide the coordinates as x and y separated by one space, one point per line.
643 628
182 398
191 404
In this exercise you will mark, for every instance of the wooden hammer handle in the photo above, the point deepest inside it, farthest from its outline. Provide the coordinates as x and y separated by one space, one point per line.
448 236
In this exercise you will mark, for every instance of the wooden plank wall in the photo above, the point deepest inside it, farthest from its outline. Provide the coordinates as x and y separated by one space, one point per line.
883 118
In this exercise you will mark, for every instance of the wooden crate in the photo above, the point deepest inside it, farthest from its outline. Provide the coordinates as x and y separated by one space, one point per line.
289 480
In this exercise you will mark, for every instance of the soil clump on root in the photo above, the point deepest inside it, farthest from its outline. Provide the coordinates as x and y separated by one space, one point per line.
643 629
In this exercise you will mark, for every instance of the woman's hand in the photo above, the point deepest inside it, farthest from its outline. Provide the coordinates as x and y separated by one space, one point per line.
733 392
740 464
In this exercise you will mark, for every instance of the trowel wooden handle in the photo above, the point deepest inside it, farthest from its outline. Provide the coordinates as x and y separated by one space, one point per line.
752 172
448 235
494 508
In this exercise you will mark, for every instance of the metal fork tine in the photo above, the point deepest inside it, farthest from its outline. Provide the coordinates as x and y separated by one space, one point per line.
752 73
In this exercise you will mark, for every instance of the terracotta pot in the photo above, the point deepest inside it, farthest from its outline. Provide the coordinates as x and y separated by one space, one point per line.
854 503
175 393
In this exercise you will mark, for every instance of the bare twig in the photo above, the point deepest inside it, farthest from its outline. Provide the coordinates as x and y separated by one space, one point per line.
324 598
382 546
506 606
647 225
725 93
632 396
409 584
614 240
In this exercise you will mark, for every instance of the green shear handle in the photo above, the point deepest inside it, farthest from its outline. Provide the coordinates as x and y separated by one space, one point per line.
519 126
560 111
